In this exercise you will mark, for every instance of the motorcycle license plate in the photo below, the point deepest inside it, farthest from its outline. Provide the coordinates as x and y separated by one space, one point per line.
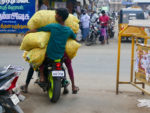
58 73
15 99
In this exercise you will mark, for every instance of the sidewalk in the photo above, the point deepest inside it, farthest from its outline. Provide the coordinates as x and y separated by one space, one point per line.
11 39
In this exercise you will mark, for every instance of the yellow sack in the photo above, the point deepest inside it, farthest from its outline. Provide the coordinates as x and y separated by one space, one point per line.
35 40
44 17
71 48
72 18
36 56
41 18
74 27
25 55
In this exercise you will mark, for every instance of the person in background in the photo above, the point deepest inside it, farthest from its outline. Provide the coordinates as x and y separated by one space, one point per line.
116 15
74 13
104 20
85 23
94 16
113 14
82 10
45 5
148 17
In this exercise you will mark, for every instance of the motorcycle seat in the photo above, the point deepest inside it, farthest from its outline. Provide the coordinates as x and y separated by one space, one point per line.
7 74
3 71
4 78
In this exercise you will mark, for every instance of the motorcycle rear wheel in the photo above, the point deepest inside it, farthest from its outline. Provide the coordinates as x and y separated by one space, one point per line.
54 89
90 39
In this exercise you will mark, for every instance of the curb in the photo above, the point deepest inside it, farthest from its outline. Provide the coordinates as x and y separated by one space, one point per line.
11 39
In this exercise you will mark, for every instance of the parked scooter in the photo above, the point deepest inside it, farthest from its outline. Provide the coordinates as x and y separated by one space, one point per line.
55 79
10 96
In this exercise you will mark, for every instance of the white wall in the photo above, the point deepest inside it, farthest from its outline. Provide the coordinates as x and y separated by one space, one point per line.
141 1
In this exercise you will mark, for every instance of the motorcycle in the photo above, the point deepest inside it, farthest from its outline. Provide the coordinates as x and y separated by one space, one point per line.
55 79
10 95
111 28
93 34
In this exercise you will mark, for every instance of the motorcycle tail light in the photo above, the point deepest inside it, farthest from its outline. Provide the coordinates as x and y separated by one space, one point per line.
13 83
58 66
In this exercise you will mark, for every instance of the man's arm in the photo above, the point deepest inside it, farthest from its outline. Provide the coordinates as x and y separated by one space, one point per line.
31 31
73 35
46 28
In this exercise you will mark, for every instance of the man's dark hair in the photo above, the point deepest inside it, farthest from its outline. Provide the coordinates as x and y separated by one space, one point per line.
103 12
82 10
63 12
73 11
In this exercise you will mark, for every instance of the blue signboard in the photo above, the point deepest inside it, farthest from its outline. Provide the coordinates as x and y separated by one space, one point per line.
15 14
127 2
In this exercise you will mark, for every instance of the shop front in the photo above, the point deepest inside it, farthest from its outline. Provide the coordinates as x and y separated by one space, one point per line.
144 4
14 15
54 4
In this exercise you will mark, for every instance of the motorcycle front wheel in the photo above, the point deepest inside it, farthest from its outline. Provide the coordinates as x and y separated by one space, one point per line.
89 39
54 88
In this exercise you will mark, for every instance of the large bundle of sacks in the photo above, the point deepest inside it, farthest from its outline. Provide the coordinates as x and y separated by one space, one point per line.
35 44
44 17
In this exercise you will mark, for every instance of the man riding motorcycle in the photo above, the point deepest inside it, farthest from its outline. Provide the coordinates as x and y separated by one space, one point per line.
56 45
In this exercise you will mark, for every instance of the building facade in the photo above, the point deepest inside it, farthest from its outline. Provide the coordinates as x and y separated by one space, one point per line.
53 4
144 4
115 5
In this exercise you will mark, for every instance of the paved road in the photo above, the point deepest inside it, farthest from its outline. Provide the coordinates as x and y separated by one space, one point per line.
95 74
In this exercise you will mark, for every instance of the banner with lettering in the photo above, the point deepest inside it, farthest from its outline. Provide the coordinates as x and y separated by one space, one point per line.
14 15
